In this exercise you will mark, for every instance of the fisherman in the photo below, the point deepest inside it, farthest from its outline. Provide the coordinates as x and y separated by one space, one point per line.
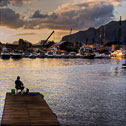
19 85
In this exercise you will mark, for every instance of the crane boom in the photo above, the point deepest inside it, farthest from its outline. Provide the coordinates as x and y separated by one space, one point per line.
45 41
49 36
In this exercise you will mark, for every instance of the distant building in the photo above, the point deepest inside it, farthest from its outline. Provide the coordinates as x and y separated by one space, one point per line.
11 46
114 45
24 45
67 46
20 45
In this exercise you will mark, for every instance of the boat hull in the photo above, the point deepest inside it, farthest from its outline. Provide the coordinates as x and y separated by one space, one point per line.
16 56
5 56
89 57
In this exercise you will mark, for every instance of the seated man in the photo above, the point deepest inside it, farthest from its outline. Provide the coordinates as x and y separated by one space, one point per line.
19 85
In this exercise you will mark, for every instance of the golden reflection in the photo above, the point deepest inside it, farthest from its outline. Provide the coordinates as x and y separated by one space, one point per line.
118 58
34 63
116 71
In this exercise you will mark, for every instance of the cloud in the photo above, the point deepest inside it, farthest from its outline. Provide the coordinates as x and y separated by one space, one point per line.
54 2
77 16
26 34
10 18
115 2
4 2
14 2
38 15
20 2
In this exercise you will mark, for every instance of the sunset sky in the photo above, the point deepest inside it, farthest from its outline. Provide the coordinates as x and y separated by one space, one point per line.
34 20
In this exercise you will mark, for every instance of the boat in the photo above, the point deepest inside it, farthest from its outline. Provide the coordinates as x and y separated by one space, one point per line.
49 54
33 55
5 54
72 55
101 55
118 53
42 54
89 56
65 55
16 55
26 54
57 54
78 55
87 52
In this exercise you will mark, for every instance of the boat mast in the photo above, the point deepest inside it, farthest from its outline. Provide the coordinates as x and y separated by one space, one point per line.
104 34
100 37
120 30
70 31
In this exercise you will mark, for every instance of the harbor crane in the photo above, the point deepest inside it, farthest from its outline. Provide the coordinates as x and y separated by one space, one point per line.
45 41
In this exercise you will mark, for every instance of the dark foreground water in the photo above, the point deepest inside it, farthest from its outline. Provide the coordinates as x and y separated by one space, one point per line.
81 92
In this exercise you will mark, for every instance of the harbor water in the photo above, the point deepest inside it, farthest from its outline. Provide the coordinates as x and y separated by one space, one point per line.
82 92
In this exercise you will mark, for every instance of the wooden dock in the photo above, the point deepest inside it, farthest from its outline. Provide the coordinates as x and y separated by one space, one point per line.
27 110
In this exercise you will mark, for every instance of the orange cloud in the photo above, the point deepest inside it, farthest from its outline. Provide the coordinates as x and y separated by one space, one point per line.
20 2
77 16
114 2
26 34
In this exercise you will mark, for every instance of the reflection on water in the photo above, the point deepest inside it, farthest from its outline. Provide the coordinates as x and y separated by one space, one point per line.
80 91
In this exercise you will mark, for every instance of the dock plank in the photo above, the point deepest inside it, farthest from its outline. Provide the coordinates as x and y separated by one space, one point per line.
27 110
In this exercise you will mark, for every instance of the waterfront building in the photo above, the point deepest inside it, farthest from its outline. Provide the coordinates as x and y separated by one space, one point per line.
114 45
24 45
68 46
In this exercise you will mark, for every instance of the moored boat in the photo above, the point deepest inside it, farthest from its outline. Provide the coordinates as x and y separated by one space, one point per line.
87 52
16 55
49 54
118 53
72 55
89 56
26 54
57 54
5 54
101 56
33 55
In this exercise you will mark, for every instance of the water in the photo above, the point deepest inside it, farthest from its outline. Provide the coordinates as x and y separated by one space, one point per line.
81 92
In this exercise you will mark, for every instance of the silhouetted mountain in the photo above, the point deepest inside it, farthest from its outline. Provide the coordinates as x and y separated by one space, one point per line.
110 31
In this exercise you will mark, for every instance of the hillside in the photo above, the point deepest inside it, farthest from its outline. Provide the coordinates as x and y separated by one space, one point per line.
93 35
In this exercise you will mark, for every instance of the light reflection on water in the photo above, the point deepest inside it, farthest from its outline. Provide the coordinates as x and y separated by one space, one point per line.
80 91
